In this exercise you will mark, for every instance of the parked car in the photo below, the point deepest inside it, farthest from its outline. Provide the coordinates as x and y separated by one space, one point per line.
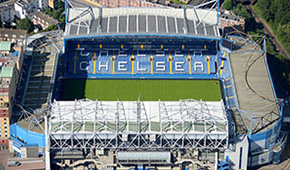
13 163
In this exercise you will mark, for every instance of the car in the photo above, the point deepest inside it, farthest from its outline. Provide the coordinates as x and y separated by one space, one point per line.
13 163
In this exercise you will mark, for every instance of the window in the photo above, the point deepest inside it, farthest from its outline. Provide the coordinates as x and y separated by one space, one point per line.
240 161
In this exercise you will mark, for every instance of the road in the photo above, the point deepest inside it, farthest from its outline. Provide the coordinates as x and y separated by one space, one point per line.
268 31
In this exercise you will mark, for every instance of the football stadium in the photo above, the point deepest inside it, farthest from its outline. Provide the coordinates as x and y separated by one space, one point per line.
160 88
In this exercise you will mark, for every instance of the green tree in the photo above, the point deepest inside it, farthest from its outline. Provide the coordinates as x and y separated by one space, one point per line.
25 24
265 5
48 11
242 11
228 5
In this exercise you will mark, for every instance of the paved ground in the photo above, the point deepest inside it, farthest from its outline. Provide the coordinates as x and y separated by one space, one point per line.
285 161
26 164
3 159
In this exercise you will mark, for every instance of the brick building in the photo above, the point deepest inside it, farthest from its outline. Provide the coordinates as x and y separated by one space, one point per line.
228 20
13 35
9 73
43 20
8 80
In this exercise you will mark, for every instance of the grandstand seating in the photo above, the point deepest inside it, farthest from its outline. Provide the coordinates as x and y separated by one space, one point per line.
89 59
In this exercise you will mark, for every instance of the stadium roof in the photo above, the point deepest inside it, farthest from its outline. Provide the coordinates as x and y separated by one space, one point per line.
191 22
189 123
197 117
254 89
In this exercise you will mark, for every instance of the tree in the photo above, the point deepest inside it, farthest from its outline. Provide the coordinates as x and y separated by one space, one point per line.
25 24
49 28
48 11
228 5
242 11
264 6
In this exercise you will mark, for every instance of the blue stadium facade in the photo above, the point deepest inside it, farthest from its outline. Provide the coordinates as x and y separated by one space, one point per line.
185 59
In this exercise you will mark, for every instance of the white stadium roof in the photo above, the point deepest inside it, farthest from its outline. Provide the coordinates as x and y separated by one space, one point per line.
84 22
189 116
104 124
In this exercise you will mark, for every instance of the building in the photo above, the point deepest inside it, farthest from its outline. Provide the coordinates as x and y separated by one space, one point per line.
51 3
8 80
9 67
13 35
227 21
5 47
7 11
43 20
24 7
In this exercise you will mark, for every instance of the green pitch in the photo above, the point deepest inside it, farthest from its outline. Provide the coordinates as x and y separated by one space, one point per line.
149 90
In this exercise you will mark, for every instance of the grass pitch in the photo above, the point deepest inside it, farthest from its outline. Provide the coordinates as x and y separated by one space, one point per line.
149 90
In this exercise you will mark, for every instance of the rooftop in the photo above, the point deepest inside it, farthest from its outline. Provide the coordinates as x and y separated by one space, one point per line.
142 21
12 33
47 18
231 17
6 4
155 117
24 2
5 46
6 71
253 86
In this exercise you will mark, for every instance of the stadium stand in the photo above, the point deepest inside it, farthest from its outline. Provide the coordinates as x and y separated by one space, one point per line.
40 72
140 59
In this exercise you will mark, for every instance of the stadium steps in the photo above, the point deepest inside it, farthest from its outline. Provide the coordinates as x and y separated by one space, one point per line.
33 95
33 90
39 84
40 78
35 81
41 67
41 63
36 92
36 99
43 60
45 73
36 105
43 87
